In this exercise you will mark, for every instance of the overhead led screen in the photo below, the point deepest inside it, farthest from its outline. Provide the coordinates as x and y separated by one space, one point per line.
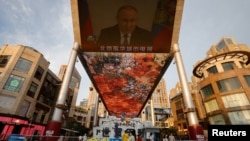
126 48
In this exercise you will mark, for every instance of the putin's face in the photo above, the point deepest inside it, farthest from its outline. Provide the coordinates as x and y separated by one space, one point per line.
126 20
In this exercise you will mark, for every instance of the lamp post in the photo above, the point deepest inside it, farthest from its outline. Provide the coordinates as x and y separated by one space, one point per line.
54 126
152 110
195 130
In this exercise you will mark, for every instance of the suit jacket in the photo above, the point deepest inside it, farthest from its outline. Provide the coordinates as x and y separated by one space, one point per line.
111 36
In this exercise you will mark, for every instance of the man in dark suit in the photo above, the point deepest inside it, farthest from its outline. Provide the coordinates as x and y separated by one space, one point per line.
125 32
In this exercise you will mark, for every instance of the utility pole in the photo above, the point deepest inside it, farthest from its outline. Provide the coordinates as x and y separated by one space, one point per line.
195 130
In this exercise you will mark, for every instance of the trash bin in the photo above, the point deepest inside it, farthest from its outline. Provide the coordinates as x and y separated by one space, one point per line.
16 137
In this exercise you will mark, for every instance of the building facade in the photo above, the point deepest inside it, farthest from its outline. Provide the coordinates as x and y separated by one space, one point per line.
224 82
178 107
28 91
73 88
157 109
219 87
95 107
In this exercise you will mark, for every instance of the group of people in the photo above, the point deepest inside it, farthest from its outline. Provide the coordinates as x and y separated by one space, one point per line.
169 138
166 138
83 138
131 137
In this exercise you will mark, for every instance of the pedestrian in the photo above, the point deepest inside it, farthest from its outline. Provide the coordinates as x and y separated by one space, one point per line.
151 137
125 136
80 138
85 137
61 138
165 138
171 137
131 137
139 138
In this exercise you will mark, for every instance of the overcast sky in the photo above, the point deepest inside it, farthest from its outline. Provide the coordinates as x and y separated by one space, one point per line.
46 25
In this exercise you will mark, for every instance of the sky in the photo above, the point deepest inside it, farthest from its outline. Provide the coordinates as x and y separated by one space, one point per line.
46 25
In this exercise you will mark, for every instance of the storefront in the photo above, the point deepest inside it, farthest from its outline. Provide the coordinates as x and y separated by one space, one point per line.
12 124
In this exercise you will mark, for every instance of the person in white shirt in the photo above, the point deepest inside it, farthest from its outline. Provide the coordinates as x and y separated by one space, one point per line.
151 137
80 138
171 137
131 137
165 138
85 137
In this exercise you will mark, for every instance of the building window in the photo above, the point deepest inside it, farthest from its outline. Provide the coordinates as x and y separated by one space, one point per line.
217 119
24 107
235 100
35 115
212 70
23 65
32 90
4 60
178 104
39 73
179 110
207 91
211 105
14 83
228 66
221 45
42 117
180 114
148 113
229 41
7 101
247 78
239 117
228 84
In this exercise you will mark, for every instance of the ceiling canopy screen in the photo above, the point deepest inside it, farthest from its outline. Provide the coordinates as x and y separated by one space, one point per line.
126 48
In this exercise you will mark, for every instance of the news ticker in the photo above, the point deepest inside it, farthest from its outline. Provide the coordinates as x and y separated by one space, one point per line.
241 132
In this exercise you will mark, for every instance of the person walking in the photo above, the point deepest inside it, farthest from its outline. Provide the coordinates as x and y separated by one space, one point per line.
80 138
125 136
171 137
165 138
85 138
139 138
131 137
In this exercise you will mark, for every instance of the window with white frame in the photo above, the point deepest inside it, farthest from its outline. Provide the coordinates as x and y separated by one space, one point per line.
217 119
211 105
235 100
239 117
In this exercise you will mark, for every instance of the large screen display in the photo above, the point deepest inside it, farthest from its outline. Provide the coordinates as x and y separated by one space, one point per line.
126 48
